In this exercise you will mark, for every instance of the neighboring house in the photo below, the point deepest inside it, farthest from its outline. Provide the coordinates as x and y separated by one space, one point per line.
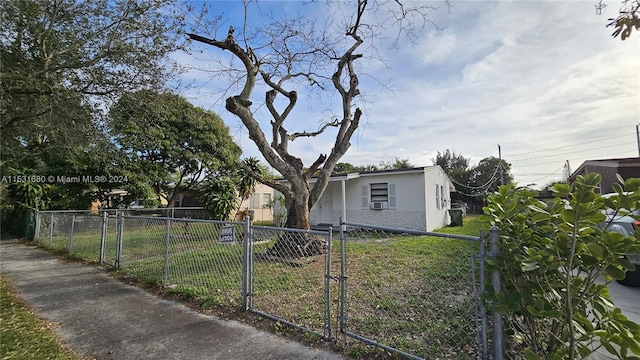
113 197
608 168
260 203
412 198
187 198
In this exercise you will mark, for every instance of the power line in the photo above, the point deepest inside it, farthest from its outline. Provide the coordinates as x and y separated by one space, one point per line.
487 184
570 152
560 168
566 146
563 135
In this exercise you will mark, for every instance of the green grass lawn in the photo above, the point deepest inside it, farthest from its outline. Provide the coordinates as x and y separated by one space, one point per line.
24 336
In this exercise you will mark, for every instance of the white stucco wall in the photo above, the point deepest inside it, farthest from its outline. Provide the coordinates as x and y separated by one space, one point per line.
415 201
437 217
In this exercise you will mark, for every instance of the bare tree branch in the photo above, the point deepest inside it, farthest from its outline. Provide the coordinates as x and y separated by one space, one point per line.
294 136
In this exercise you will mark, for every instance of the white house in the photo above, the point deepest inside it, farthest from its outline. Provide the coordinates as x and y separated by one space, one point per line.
413 198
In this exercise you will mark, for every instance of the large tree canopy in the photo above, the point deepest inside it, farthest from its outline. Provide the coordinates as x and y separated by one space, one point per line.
285 55
490 173
449 161
63 64
170 143
88 47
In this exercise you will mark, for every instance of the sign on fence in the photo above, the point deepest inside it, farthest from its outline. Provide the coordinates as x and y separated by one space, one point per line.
227 235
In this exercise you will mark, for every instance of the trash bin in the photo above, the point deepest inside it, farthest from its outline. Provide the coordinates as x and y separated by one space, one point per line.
456 217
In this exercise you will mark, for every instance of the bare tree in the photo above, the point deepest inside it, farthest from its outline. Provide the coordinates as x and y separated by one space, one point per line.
297 52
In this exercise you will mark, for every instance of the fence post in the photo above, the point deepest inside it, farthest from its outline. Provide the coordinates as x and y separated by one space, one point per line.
327 284
483 311
119 246
70 243
36 233
103 235
167 236
246 264
342 317
494 238
51 231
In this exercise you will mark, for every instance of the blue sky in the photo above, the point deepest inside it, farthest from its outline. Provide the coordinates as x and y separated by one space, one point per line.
544 79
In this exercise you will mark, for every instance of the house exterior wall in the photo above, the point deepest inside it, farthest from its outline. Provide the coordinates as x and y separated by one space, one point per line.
261 203
437 202
408 212
258 203
415 201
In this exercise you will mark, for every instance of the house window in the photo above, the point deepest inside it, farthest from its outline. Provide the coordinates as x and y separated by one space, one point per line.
379 192
442 196
379 196
437 196
266 200
254 202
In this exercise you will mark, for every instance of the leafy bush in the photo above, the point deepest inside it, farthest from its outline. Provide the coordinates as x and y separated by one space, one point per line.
556 262
219 197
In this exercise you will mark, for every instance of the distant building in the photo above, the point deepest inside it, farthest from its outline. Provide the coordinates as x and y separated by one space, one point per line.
260 203
609 168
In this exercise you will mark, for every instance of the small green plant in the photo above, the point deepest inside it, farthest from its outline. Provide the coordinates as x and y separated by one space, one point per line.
553 257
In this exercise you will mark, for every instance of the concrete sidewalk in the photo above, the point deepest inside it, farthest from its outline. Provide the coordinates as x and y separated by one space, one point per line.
101 317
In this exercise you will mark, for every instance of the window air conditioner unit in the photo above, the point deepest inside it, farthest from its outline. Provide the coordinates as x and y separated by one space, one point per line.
377 205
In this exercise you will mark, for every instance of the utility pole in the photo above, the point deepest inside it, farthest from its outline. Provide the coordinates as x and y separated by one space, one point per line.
500 164
638 138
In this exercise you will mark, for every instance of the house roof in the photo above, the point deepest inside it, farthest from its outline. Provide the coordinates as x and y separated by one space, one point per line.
613 163
355 175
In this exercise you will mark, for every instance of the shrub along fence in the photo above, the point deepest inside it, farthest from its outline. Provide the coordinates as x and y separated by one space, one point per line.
415 294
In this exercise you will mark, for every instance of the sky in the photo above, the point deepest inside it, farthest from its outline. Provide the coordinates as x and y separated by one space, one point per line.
543 80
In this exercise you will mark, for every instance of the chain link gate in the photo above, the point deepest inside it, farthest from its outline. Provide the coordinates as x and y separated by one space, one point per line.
109 239
412 293
288 287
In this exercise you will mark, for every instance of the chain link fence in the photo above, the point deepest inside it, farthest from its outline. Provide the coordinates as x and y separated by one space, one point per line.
54 229
413 294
